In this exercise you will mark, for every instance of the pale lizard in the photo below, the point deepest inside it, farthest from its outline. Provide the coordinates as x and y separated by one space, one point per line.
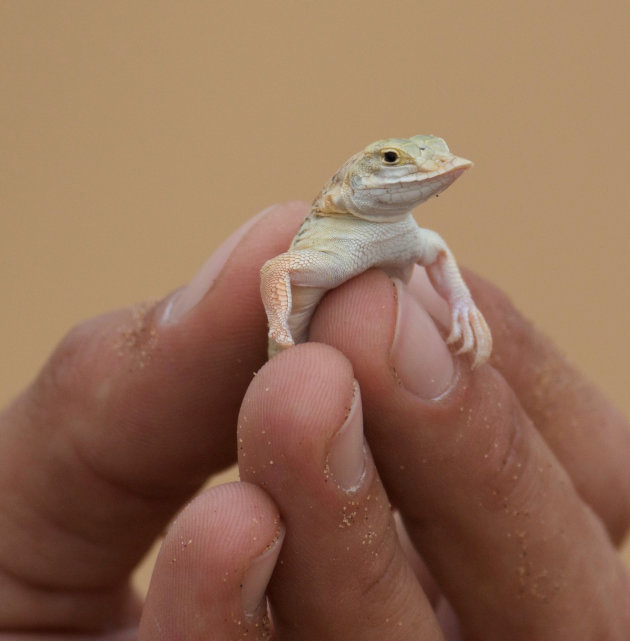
361 219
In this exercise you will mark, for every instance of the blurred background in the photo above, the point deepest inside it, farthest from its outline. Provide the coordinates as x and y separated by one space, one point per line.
135 136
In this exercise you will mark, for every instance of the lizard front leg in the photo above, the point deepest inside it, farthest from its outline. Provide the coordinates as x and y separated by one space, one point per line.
467 322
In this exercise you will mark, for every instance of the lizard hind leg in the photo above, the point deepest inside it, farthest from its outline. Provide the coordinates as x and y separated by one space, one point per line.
275 289
304 301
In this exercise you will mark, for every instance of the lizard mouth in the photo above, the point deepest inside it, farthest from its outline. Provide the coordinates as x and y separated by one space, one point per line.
442 171
412 185
440 181
457 167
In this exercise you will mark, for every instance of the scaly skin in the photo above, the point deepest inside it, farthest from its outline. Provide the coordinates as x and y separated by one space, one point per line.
362 219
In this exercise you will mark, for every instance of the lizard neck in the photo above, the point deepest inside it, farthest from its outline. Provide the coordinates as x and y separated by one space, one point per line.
331 203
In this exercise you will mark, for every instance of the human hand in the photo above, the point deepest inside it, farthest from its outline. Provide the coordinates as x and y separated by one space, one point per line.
131 415
513 483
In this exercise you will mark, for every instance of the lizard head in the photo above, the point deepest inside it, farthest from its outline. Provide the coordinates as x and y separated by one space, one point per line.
390 177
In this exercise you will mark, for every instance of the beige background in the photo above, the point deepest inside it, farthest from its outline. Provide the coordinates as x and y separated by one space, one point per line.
134 136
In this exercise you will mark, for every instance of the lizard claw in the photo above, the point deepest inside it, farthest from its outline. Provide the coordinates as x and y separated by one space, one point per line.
469 326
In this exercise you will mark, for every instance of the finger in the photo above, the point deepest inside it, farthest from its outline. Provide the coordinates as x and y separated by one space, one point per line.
130 415
589 436
211 575
416 562
508 539
342 573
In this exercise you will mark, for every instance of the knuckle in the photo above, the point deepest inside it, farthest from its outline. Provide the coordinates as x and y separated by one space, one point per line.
496 454
507 467
93 350
52 397
387 569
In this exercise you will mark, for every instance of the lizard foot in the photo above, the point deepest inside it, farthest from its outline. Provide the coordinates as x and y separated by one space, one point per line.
469 326
281 336
279 339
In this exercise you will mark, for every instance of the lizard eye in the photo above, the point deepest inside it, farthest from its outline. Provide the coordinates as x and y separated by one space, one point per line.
390 156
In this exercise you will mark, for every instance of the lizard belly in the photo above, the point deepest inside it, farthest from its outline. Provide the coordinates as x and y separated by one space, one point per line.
350 259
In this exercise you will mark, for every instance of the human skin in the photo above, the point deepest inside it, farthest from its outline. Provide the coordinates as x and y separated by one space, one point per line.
511 482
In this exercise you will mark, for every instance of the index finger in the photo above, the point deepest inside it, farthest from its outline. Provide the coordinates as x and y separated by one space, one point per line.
124 423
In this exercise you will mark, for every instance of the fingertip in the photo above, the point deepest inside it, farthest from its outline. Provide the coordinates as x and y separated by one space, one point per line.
241 509
310 384
359 318
388 336
216 559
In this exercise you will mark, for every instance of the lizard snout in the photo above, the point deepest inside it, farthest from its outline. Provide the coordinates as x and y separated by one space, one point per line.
442 161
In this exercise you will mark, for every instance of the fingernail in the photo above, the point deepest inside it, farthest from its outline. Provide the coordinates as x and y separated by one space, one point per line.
257 576
420 356
185 299
346 458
